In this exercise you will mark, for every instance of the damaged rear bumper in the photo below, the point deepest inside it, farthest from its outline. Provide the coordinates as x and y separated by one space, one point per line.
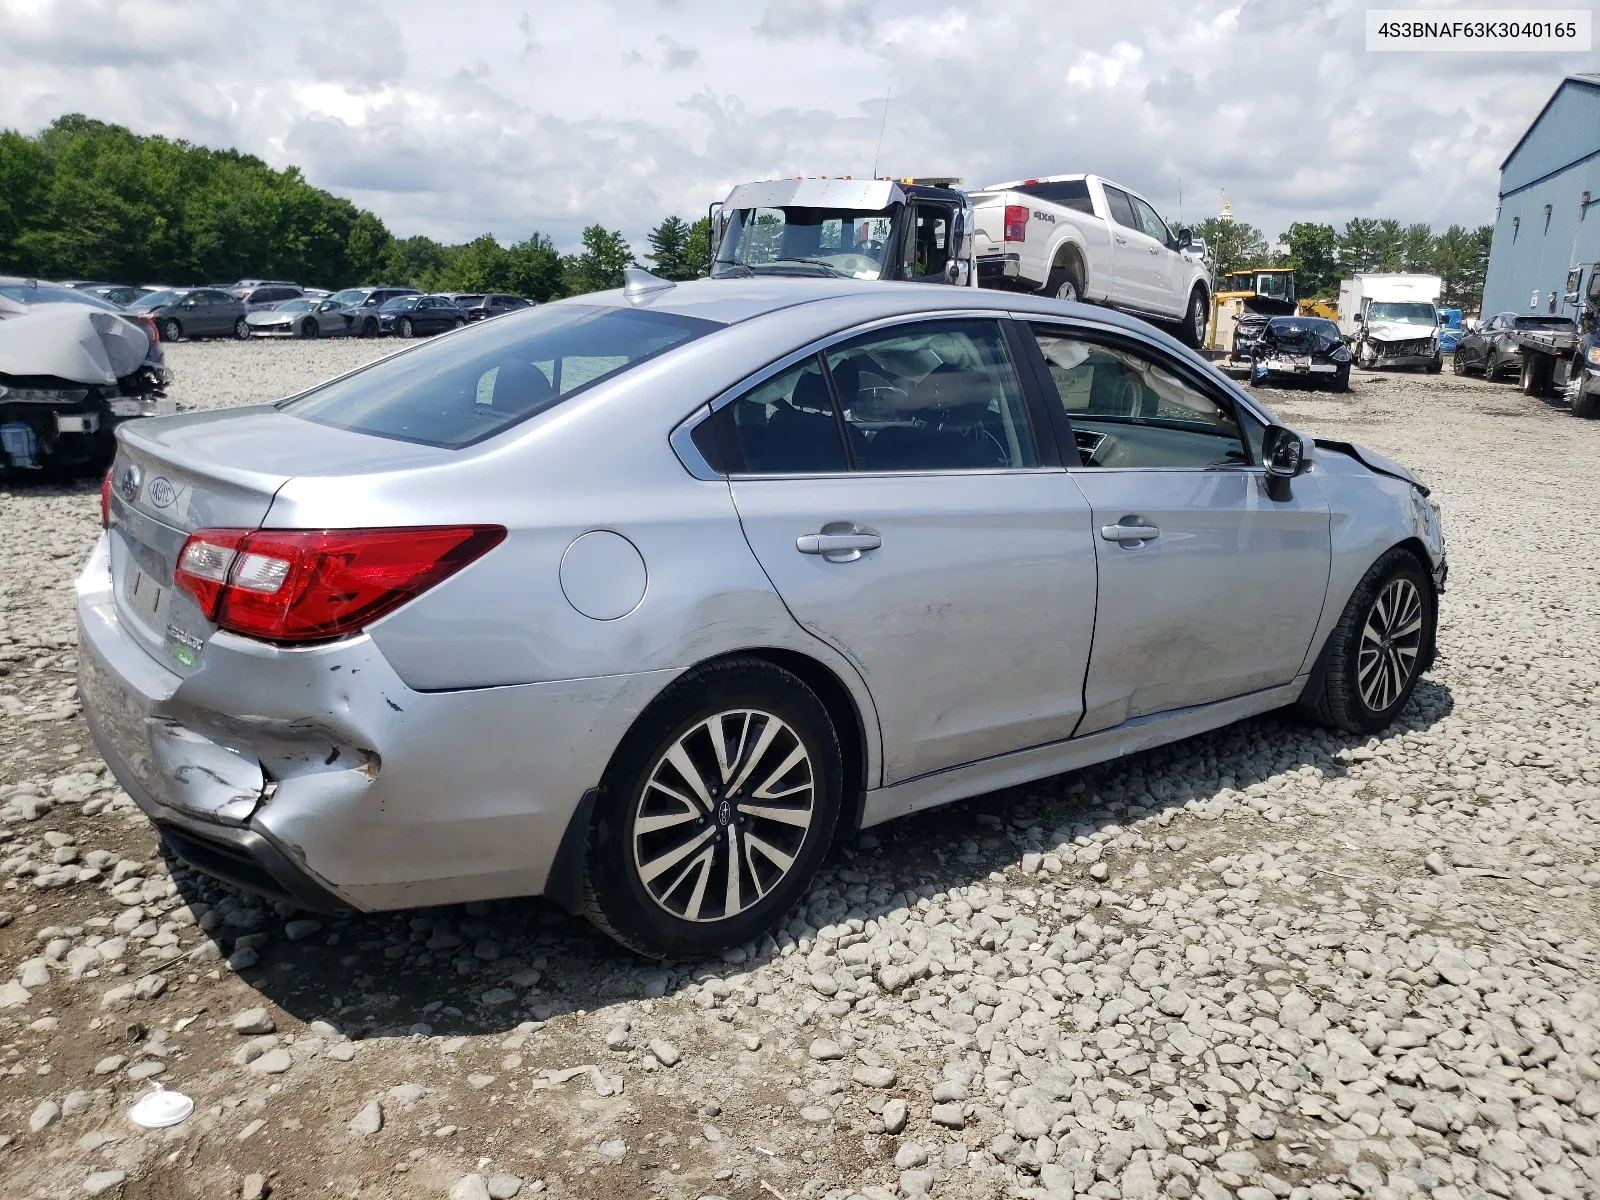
315 773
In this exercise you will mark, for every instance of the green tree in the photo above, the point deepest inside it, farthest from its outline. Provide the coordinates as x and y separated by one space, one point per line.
1312 254
367 247
697 254
1460 259
533 269
1416 249
669 249
1234 245
600 266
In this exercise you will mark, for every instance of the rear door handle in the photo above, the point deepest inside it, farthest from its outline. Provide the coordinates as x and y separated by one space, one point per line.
838 547
1129 533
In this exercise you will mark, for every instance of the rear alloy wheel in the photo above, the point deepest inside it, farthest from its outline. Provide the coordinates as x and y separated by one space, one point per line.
715 811
308 328
407 329
1377 651
171 331
1193 332
241 329
458 323
1064 284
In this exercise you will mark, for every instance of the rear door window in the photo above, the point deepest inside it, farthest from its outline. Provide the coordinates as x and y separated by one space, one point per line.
932 396
1121 207
458 391
784 426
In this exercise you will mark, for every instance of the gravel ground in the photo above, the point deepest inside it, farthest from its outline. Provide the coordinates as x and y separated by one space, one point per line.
1271 962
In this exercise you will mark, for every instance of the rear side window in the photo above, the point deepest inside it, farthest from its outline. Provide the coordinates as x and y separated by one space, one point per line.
1121 207
1069 193
784 426
460 390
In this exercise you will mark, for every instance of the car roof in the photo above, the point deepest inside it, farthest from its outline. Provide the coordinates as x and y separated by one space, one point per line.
731 301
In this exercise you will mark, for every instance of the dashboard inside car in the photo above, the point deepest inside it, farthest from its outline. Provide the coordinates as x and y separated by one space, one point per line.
1133 442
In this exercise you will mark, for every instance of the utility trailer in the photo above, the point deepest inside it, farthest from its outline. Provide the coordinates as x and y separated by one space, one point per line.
1567 362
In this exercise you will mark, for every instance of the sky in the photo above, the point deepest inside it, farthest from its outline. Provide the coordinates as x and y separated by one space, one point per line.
455 119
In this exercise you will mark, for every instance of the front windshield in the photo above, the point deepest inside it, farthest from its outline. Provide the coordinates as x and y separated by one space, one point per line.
1397 312
1278 286
350 296
293 306
399 304
852 243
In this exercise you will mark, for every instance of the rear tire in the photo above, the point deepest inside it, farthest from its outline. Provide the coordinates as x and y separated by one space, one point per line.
664 891
1193 331
1376 652
1065 284
1535 374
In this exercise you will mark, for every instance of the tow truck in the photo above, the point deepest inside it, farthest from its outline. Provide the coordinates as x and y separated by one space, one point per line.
1567 362
914 229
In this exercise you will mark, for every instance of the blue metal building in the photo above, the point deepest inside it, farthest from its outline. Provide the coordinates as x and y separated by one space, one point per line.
1549 216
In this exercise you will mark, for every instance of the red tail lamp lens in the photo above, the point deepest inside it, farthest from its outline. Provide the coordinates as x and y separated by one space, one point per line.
301 585
1016 223
105 501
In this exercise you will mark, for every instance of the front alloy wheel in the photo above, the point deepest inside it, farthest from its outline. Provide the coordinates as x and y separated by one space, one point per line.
407 329
723 815
714 812
241 329
1391 644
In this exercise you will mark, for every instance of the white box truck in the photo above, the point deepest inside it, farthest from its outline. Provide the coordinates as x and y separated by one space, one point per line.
1392 320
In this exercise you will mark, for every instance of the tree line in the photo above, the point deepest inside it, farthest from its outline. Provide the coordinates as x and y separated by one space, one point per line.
1322 256
84 199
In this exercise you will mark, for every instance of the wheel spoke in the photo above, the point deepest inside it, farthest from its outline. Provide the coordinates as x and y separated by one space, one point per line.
796 756
730 904
653 869
757 752
655 824
717 727
697 898
800 818
771 852
679 758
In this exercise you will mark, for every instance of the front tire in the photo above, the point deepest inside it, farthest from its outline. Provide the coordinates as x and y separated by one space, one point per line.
241 329
1193 331
1437 364
715 811
1341 378
407 329
369 328
1377 651
308 328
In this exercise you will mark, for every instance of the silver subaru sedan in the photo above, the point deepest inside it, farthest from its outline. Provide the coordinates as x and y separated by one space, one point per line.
637 599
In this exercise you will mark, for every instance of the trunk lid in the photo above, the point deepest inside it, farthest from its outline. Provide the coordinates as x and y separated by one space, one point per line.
212 470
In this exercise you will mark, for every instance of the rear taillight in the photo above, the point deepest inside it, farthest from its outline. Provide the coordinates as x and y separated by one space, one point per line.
105 501
302 585
1016 222
149 325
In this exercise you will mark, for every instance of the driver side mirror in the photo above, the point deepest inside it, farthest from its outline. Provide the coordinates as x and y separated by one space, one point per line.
1285 453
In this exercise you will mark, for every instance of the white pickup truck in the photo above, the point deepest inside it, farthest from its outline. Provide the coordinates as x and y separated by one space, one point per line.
1080 237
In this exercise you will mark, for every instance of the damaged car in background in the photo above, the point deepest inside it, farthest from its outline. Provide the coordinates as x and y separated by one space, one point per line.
1305 348
72 368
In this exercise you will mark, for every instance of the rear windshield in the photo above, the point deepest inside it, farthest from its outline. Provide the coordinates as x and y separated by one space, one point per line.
470 386
1069 193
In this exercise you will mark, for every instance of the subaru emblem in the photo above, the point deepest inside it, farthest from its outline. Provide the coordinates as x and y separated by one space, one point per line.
162 493
128 484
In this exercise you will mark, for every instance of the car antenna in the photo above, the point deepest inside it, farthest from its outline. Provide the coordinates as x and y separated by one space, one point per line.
637 282
887 96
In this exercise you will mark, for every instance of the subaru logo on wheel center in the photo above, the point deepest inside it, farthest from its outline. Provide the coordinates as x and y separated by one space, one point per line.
128 485
724 813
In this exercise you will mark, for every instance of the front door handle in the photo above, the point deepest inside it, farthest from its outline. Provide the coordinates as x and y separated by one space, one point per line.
838 547
1123 532
1155 249
1122 241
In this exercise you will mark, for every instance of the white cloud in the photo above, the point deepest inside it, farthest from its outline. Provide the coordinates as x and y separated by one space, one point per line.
483 120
